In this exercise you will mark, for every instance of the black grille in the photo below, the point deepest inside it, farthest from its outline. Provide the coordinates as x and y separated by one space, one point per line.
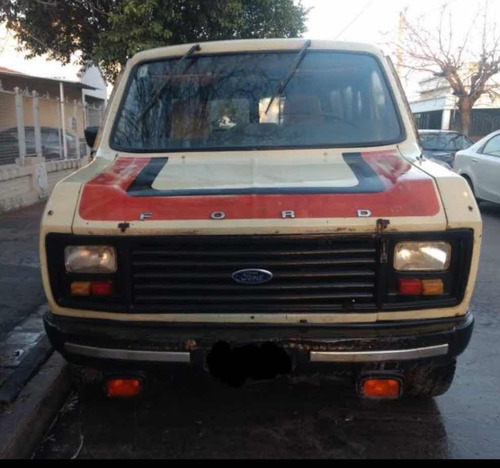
194 274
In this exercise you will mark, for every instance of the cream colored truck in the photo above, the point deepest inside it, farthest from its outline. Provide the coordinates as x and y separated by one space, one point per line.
261 207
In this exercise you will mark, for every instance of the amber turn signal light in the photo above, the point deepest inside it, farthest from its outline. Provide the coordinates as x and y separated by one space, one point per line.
432 287
381 388
123 388
91 288
418 287
80 288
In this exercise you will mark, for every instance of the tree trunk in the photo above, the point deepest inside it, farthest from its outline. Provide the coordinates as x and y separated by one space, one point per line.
465 109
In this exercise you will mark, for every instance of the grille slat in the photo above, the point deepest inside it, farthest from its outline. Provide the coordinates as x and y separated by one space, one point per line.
212 253
252 263
280 297
147 275
253 289
194 274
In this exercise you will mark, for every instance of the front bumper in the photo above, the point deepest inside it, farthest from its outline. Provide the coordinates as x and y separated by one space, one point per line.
110 345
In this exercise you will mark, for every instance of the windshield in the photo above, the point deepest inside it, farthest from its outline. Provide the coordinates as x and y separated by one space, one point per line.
445 141
220 101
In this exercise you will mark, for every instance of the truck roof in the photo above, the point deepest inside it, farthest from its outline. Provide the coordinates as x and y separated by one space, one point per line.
253 45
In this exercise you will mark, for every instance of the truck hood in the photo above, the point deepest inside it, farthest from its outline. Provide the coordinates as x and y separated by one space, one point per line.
278 190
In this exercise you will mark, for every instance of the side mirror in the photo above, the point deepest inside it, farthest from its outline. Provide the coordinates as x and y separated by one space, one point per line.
91 135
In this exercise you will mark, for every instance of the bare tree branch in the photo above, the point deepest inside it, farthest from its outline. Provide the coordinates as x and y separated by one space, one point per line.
468 66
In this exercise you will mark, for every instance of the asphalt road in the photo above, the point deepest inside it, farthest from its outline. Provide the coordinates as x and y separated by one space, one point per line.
202 418
21 289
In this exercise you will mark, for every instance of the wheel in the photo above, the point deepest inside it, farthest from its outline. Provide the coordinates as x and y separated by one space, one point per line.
430 381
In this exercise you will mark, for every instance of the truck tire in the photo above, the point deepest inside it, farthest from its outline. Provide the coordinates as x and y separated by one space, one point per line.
430 381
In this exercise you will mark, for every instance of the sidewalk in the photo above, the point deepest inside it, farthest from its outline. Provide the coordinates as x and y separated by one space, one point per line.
21 291
23 346
33 380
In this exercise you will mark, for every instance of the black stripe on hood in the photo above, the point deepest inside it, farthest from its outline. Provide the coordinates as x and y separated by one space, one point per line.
368 182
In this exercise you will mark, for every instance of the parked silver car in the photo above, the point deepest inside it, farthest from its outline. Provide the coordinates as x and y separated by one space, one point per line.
480 165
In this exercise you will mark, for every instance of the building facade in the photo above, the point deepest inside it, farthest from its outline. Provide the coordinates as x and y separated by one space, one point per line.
435 108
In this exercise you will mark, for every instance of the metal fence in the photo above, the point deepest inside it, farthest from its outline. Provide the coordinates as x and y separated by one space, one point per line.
33 125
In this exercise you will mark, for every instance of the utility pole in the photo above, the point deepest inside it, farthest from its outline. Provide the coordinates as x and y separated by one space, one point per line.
401 33
63 121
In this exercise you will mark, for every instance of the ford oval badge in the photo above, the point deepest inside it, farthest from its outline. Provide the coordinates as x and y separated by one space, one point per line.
252 276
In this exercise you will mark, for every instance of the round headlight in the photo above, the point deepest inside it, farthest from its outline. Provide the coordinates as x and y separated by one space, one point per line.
422 256
90 259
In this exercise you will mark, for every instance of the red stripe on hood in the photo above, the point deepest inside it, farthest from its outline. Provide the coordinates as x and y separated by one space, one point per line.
409 192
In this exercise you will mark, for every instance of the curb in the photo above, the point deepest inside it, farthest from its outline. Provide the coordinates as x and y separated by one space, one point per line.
29 340
28 368
26 421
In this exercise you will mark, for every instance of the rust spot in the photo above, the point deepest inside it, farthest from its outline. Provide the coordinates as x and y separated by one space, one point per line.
382 225
345 229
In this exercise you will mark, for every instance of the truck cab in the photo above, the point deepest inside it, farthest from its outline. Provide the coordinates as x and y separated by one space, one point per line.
256 208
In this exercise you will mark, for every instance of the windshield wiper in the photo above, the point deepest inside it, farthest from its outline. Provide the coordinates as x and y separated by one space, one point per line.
281 87
175 70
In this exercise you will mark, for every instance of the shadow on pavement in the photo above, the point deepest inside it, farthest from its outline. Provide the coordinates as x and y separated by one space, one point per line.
198 417
487 208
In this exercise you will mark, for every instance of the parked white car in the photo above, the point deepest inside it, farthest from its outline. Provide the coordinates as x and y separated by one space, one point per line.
480 166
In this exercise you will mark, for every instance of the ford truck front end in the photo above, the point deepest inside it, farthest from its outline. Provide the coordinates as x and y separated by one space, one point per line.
257 208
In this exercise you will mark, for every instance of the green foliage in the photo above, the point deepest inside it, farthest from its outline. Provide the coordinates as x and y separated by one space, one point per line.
109 32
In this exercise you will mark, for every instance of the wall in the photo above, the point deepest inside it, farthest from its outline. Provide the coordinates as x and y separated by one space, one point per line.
49 112
7 110
25 185
19 109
